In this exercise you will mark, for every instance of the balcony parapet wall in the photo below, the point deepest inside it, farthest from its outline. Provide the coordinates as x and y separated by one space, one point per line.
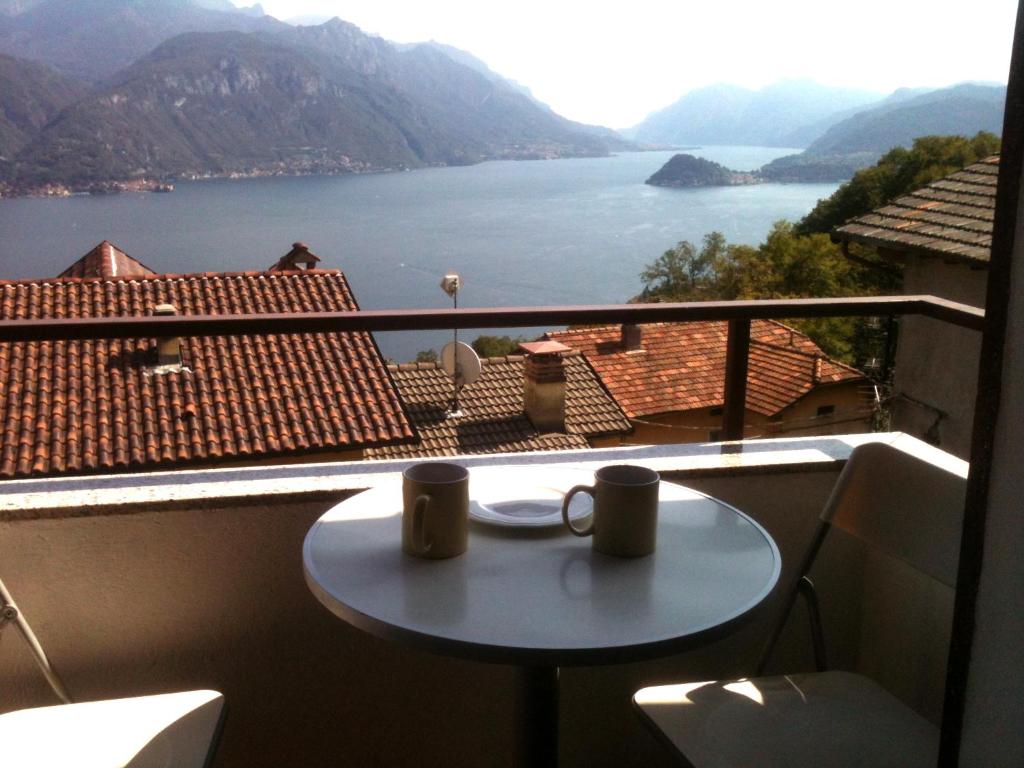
54 498
145 583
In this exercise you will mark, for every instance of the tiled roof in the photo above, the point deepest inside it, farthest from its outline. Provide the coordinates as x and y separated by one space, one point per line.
107 260
681 366
950 218
87 406
493 420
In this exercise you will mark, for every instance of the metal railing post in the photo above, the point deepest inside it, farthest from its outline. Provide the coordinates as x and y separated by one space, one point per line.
736 358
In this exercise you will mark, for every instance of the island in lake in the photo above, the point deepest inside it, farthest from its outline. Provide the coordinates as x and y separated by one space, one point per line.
689 171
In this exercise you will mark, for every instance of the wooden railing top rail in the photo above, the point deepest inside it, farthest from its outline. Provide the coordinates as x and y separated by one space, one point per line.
498 317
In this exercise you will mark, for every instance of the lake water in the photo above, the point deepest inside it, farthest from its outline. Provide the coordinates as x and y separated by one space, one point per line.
520 233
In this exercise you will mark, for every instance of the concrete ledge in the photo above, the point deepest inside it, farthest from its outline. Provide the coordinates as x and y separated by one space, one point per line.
210 488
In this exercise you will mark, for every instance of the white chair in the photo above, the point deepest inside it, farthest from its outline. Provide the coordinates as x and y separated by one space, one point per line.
171 730
912 510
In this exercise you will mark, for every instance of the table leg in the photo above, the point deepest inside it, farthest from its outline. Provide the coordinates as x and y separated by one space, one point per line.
537 714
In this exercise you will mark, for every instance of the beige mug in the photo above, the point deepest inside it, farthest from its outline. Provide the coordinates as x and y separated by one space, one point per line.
435 510
625 519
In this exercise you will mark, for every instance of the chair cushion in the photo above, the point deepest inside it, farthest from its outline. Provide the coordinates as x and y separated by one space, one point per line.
172 729
834 719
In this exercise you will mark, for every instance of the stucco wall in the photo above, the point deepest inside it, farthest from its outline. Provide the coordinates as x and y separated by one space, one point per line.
853 405
853 414
937 363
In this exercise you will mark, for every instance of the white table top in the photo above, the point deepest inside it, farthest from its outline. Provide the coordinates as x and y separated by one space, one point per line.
534 597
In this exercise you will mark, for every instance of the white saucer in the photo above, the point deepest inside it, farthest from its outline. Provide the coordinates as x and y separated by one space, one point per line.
527 497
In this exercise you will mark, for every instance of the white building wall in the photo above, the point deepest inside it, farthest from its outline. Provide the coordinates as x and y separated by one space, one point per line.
937 363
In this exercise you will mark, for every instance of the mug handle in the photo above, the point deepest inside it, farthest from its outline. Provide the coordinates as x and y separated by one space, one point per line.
590 491
419 534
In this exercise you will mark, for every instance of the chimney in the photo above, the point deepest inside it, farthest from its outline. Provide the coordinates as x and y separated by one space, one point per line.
544 385
816 371
632 337
168 348
299 257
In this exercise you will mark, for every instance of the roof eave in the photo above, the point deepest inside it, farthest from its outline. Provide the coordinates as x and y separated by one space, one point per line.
880 244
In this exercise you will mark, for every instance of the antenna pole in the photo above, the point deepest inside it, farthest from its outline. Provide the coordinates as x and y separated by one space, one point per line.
457 365
450 284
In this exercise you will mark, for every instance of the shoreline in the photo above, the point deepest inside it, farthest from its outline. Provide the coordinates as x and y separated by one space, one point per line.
166 184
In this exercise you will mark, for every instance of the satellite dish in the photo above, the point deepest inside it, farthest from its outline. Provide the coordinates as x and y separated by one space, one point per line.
460 361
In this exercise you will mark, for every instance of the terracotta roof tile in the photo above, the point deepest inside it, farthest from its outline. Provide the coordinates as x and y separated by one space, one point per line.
682 366
88 406
950 218
493 420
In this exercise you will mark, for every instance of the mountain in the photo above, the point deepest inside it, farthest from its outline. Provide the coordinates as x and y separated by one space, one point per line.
612 138
92 39
228 7
467 59
807 134
453 86
729 114
31 95
456 88
814 169
690 171
861 139
962 110
223 103
292 100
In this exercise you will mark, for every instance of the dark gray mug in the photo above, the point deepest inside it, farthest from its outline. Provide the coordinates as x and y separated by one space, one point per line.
625 519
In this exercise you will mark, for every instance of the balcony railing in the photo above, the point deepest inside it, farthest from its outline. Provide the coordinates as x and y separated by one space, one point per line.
739 314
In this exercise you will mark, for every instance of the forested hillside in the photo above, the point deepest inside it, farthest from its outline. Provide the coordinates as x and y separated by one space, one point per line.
31 95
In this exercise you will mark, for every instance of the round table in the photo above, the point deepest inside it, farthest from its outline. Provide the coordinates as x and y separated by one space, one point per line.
542 598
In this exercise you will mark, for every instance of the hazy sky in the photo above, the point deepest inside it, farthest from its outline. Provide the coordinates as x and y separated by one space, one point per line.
613 63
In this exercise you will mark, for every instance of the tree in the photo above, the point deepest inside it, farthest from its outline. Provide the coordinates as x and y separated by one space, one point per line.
898 172
785 265
426 356
497 346
683 273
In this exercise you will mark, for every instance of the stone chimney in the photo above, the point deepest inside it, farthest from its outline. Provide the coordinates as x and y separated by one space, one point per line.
544 385
168 348
632 337
299 257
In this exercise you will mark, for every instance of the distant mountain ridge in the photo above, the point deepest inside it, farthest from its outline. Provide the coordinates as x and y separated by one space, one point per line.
961 109
774 116
861 139
93 39
323 99
614 139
